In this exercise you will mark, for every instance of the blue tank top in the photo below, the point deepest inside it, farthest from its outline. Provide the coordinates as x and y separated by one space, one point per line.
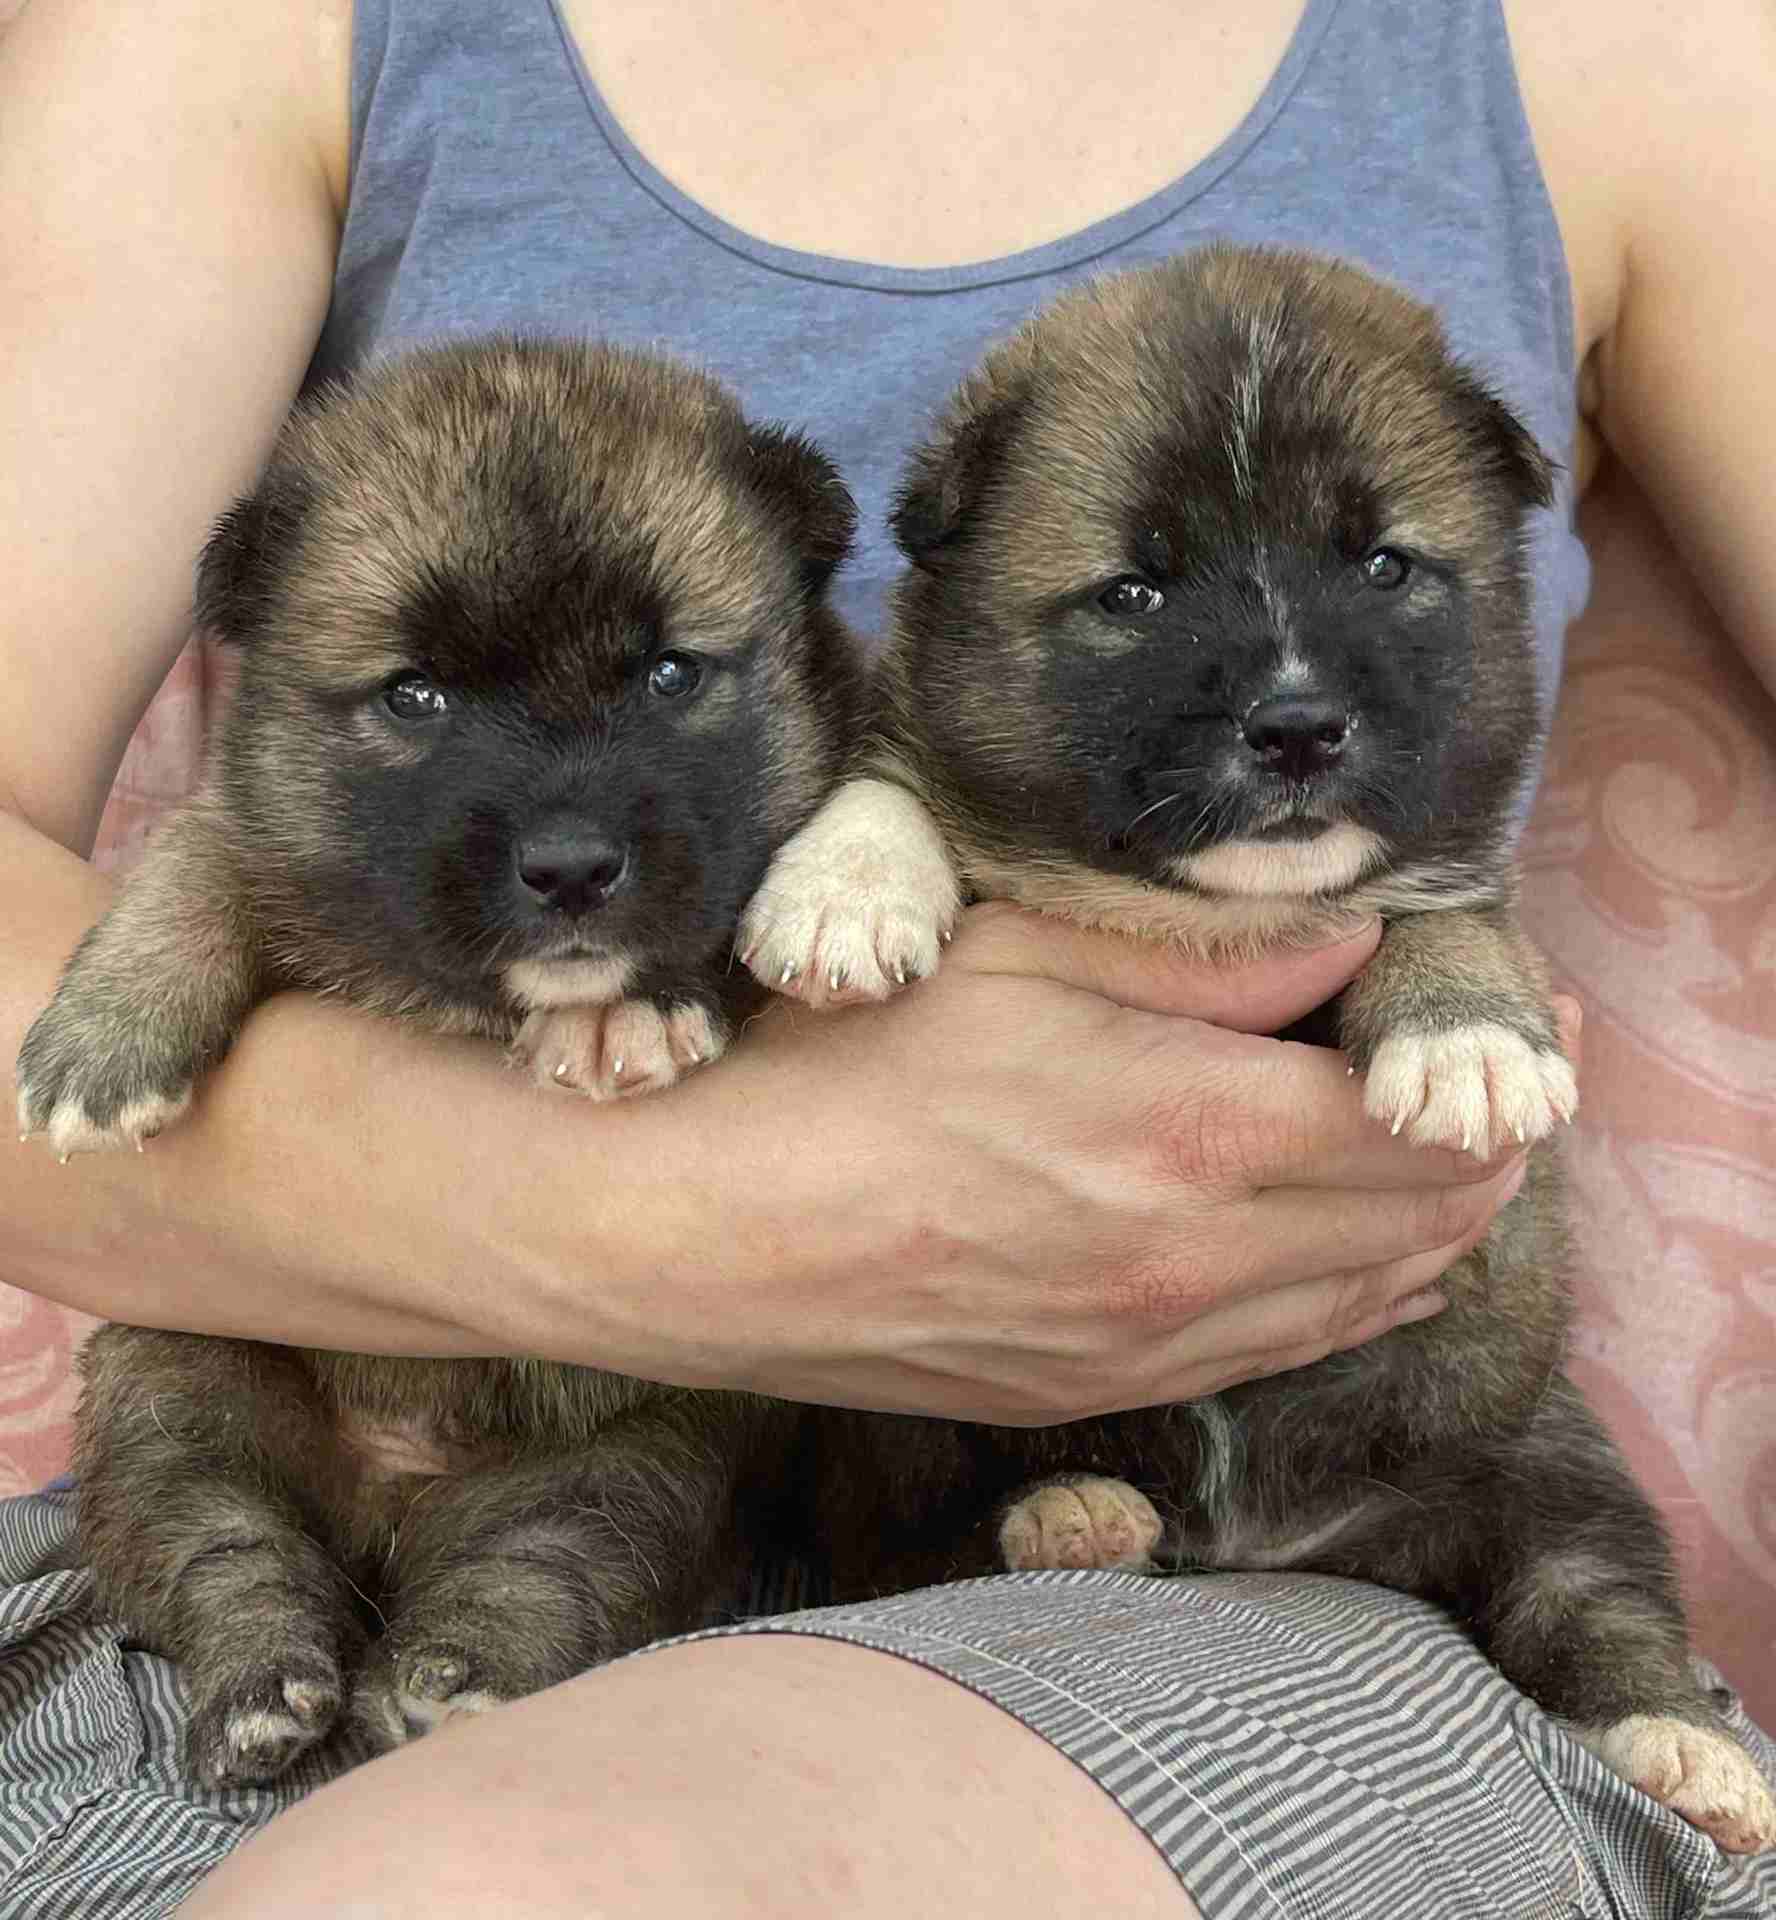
493 188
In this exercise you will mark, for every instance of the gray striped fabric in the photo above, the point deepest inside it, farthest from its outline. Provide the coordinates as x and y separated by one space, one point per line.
98 1820
1301 1748
1296 1748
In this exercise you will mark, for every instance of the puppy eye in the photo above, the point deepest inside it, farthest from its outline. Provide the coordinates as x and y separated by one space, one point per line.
1384 568
1130 598
411 696
674 675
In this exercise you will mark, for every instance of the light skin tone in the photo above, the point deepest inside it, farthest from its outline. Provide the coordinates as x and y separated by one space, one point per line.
1098 1220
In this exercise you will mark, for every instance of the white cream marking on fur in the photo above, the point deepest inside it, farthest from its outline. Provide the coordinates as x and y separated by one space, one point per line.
1291 672
568 983
1229 924
1476 1088
1254 868
1222 1453
70 1129
857 904
608 1052
1416 890
1704 1775
1260 1551
1095 1522
391 1447
1248 397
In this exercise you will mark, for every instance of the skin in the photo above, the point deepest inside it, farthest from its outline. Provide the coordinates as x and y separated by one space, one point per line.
170 194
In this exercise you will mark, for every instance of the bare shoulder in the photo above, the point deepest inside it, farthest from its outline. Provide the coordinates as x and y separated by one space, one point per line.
1642 112
1656 131
285 62
171 185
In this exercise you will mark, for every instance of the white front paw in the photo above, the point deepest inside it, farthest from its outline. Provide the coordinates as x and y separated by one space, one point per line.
622 1047
1477 1088
857 904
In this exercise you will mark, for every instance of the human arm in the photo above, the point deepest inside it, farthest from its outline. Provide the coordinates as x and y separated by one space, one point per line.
1656 133
1065 1223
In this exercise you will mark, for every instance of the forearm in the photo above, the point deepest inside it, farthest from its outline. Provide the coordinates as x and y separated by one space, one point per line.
341 1181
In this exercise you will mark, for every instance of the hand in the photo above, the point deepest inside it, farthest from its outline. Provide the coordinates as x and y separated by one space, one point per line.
1028 1191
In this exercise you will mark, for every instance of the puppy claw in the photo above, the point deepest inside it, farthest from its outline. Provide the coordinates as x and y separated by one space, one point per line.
1471 1088
857 904
613 1050
75 1121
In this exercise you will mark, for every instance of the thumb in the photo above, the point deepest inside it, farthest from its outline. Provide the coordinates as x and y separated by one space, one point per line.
1248 996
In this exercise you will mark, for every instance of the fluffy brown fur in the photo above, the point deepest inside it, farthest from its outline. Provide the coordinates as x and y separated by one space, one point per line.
1217 632
536 673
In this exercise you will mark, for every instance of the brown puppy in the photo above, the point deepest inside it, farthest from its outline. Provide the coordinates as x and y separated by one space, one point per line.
536 673
1217 632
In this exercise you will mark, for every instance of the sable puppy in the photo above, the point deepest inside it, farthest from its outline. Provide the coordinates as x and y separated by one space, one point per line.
536 673
1217 632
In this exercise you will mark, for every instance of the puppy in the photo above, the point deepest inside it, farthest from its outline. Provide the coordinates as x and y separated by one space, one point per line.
536 672
1217 633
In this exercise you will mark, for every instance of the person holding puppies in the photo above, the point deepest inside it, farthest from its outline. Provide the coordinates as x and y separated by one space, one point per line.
1027 1192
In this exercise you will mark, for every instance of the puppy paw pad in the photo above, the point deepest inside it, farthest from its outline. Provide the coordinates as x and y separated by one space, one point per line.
1089 1522
858 904
1479 1089
1702 1774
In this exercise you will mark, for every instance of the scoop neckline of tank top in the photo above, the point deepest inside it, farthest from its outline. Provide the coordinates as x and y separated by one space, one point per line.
1069 250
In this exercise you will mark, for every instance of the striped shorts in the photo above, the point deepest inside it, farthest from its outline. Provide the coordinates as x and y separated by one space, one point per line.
1297 1748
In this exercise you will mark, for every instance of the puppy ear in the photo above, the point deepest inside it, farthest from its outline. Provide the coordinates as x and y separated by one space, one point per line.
953 470
1508 445
804 488
238 570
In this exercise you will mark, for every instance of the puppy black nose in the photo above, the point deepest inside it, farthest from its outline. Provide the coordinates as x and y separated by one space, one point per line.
1295 736
572 871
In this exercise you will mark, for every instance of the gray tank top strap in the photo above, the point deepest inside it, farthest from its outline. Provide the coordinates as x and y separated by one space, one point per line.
492 187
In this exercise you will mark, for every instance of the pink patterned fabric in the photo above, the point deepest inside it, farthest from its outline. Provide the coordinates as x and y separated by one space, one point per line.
1652 885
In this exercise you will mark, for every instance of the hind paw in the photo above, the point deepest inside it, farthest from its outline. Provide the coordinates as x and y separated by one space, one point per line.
254 1730
1086 1522
1704 1775
419 1690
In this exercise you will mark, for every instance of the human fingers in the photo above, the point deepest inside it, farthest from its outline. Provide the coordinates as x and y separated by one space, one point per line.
1298 1233
1240 1110
1287 1239
1294 1326
1253 996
